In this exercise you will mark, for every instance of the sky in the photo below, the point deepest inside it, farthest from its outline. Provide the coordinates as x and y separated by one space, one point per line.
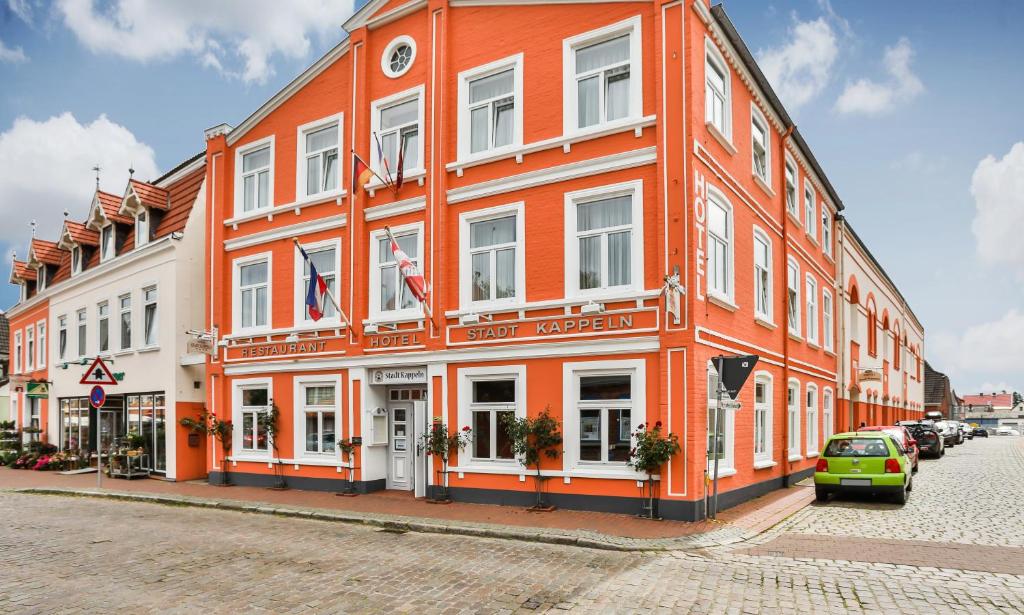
912 108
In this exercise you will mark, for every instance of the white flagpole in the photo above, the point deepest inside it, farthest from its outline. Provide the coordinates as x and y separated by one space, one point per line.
424 303
330 295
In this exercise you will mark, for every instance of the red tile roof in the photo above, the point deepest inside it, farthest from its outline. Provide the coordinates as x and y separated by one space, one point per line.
183 194
1002 400
23 271
111 203
82 235
46 252
149 195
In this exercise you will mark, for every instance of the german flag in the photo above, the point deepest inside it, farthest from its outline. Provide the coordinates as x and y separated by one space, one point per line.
361 172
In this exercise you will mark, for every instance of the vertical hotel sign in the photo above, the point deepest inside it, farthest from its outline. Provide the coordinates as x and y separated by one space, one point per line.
700 211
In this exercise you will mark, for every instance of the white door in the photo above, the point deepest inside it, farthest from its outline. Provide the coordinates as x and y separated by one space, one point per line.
401 447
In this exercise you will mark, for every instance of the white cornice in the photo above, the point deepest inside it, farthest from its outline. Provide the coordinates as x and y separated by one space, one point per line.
286 232
287 92
387 210
457 3
182 172
397 13
573 170
216 131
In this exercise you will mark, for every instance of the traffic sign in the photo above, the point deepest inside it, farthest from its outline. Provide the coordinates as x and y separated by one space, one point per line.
98 373
97 396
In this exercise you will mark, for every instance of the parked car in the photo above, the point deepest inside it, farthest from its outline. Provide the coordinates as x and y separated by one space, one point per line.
950 435
980 432
929 440
1005 430
906 441
863 462
967 430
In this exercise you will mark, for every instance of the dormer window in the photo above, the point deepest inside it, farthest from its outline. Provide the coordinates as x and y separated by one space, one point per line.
76 260
41 277
107 242
142 228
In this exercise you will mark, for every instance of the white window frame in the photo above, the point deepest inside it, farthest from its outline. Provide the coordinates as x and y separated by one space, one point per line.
826 228
121 310
19 350
827 313
62 327
570 94
41 278
571 374
236 417
727 464
299 384
766 410
300 282
147 343
236 291
718 198
811 297
793 284
827 414
810 211
765 315
712 56
793 419
108 252
82 326
385 58
811 395
30 348
466 376
635 189
338 121
792 172
416 93
100 317
239 191
142 222
412 313
757 118
514 62
41 344
466 219
77 259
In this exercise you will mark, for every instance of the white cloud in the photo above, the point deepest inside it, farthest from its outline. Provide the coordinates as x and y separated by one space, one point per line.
800 69
998 190
238 39
21 8
873 97
983 352
10 55
47 169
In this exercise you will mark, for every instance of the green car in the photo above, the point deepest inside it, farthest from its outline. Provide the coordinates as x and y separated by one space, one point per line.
863 462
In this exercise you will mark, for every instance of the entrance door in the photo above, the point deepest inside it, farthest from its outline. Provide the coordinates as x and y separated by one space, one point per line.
401 447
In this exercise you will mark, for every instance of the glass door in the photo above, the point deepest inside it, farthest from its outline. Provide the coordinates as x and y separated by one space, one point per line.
147 417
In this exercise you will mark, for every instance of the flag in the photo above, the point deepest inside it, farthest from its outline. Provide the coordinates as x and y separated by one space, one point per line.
361 172
401 167
413 278
383 161
316 294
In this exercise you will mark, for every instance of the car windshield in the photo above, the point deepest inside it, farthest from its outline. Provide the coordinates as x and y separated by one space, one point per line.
857 447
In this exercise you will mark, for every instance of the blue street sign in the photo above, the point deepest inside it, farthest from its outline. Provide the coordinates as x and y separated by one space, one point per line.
97 396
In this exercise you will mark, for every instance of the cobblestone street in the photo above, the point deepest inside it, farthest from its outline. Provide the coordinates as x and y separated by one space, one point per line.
963 525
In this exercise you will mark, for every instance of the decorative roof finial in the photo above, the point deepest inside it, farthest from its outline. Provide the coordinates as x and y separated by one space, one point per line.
131 170
33 225
66 214
97 168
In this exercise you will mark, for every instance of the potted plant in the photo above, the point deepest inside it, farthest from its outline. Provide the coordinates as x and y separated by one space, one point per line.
651 451
533 439
348 448
441 443
209 425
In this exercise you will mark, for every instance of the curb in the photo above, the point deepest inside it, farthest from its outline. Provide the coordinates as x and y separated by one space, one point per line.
727 535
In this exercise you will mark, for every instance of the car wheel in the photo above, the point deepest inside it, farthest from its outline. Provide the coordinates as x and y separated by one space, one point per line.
914 470
821 495
910 485
901 496
942 453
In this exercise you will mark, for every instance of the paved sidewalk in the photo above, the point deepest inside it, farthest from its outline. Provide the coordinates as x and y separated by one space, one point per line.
402 512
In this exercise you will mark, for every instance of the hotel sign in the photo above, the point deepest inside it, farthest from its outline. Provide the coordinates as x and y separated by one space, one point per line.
555 327
399 375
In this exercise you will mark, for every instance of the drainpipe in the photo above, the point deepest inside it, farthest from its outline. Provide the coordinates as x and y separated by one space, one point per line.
785 303
840 292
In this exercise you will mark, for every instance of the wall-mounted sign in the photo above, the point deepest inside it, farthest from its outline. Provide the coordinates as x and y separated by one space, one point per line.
281 349
555 327
200 345
393 340
399 375
37 390
869 375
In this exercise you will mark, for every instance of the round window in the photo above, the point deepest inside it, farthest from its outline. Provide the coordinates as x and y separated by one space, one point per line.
398 56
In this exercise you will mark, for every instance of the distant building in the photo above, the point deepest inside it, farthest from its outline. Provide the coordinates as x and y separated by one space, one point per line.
5 384
938 394
1004 409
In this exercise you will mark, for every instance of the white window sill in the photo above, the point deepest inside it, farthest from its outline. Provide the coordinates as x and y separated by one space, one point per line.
574 300
811 455
323 461
812 238
793 217
813 344
578 472
795 457
830 352
795 336
723 302
276 210
394 319
764 464
148 349
723 471
121 353
767 324
266 333
250 458
764 185
721 138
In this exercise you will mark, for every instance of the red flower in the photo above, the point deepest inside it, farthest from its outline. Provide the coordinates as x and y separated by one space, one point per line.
657 425
466 428
641 426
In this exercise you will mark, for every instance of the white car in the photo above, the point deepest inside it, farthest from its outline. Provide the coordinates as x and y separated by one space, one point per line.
967 430
1004 430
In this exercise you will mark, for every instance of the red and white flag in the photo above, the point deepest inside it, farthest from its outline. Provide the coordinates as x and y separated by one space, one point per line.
413 278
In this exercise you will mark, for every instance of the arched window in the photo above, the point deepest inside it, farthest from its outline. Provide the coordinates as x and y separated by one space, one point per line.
872 329
854 319
897 358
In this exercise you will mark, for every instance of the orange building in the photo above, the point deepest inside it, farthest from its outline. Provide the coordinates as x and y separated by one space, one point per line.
29 358
556 171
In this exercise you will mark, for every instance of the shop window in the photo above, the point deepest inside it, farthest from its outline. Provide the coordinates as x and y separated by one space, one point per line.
493 403
319 415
